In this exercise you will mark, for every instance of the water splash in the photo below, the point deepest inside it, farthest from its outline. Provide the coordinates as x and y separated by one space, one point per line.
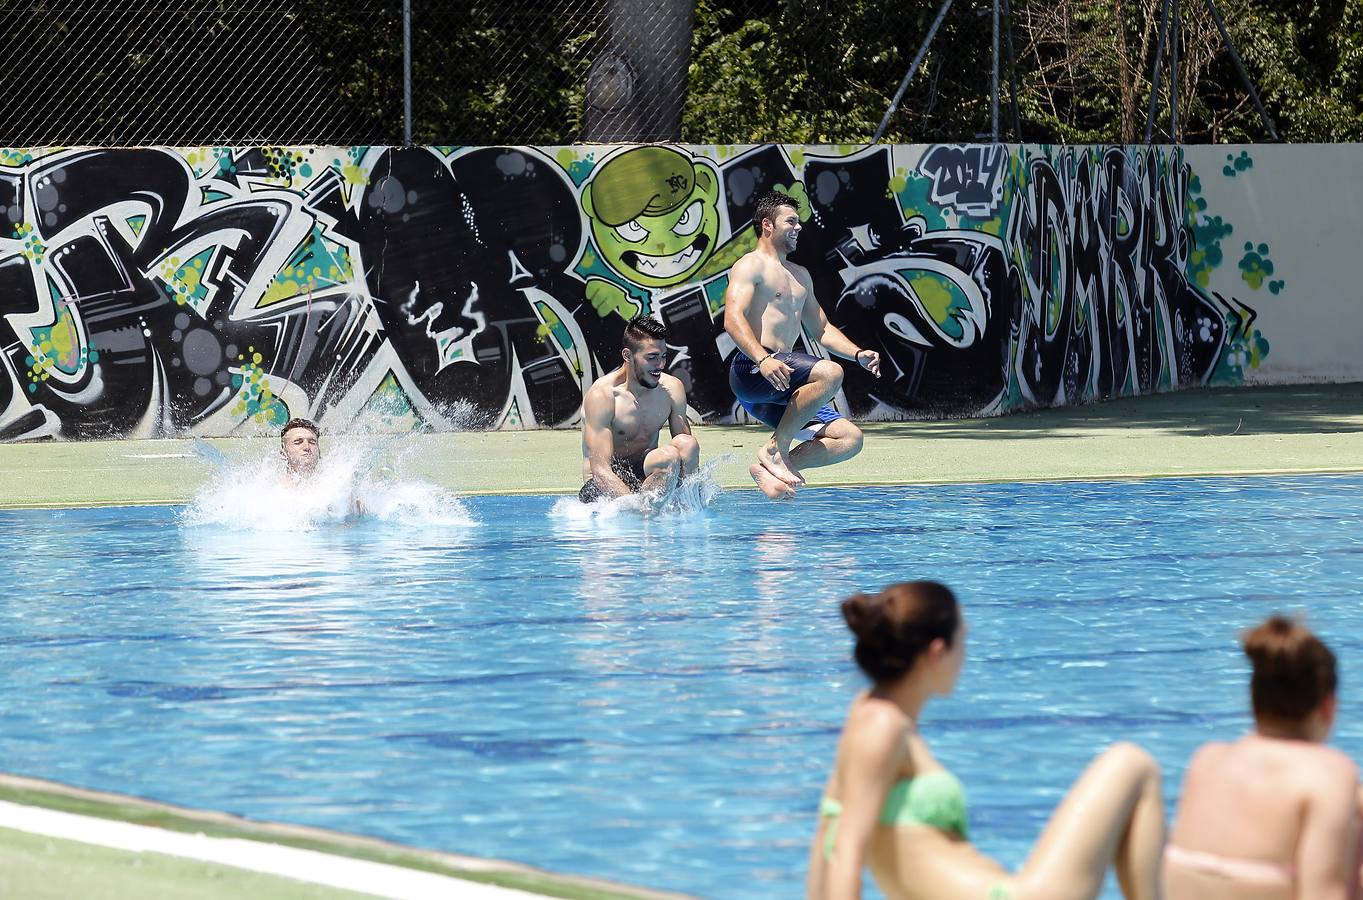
354 481
692 496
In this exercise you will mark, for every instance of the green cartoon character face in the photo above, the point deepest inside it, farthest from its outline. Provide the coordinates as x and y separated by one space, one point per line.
654 214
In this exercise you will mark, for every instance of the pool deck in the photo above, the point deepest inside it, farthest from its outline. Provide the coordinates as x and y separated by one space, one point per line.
1222 431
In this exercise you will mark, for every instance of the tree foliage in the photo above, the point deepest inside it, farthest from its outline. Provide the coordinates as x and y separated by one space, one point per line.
779 71
515 71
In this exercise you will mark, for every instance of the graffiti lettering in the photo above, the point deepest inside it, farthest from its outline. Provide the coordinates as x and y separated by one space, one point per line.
217 291
967 179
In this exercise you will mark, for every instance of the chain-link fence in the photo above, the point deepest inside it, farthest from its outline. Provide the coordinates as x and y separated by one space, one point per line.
456 72
123 72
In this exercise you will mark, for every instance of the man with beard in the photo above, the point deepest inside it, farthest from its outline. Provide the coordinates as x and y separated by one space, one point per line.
767 301
622 413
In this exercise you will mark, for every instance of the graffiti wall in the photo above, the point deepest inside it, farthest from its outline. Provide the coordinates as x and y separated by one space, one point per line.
212 291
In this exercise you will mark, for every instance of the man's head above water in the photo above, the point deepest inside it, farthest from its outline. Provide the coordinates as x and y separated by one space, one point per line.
645 350
300 445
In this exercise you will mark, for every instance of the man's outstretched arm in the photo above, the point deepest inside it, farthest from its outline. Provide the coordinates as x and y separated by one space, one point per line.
830 335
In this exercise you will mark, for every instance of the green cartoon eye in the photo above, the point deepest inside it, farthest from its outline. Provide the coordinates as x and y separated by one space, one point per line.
632 231
689 221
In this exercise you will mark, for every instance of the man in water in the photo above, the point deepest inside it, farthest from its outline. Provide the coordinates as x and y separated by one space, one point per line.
300 445
622 413
768 299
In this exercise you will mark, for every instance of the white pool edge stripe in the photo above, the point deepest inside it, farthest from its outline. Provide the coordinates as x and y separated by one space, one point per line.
362 876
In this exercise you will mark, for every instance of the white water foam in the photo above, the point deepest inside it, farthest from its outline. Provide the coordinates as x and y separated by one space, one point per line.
692 496
348 485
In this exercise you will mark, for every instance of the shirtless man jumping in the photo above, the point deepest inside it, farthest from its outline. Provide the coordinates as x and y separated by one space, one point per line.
622 413
768 299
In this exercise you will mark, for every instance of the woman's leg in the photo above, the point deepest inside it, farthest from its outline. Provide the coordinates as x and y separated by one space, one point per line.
1112 816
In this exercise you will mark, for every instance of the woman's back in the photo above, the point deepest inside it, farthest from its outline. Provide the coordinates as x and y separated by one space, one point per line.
1263 819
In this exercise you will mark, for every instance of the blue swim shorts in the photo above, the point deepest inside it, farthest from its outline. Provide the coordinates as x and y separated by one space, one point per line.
764 402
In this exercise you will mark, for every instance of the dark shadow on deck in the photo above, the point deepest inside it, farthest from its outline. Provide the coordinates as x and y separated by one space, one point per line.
1198 412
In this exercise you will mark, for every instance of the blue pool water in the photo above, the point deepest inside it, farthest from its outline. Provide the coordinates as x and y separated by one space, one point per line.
650 701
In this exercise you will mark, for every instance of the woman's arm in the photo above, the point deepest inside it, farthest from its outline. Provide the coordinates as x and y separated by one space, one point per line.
1327 864
873 758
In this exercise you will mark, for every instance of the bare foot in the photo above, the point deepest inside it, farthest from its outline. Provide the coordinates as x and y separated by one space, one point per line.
778 464
769 484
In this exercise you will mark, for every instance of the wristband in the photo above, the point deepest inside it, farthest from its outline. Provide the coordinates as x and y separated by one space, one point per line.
765 358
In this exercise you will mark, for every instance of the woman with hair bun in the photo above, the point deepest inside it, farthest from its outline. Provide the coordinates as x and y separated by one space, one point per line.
1275 815
891 806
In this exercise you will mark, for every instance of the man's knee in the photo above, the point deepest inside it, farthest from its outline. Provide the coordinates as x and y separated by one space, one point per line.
846 436
662 459
855 437
687 447
827 372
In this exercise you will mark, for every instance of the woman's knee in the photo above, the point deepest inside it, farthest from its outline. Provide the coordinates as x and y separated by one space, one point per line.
1132 758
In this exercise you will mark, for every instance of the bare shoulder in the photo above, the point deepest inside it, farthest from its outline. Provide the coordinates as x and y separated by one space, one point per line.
674 387
600 396
1330 768
1209 754
877 721
748 268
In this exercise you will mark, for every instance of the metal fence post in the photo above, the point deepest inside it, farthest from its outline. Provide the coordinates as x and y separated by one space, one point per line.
994 80
406 73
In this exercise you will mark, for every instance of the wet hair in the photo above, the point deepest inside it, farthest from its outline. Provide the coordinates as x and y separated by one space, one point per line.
299 423
768 204
643 328
894 627
1293 669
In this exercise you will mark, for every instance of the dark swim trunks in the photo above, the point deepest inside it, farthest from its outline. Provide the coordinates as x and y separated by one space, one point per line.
766 403
630 471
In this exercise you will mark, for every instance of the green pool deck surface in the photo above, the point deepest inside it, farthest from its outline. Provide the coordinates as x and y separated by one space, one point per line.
1225 431
1241 431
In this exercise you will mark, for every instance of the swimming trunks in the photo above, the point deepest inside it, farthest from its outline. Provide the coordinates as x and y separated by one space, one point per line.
764 402
1251 870
630 470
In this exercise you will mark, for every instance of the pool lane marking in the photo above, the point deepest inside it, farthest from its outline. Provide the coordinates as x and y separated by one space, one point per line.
361 876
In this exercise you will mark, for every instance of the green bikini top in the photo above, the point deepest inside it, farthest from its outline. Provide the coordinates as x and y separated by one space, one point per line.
935 799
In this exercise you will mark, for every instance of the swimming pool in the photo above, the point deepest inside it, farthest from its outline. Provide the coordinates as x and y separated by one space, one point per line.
655 702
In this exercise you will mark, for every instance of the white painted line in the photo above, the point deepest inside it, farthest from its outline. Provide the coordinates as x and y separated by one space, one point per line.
359 875
158 455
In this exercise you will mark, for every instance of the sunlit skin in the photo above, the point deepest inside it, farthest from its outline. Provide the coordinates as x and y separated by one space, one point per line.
1112 817
768 300
1277 796
301 450
623 412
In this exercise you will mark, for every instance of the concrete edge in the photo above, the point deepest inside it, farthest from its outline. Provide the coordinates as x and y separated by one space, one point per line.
1087 478
95 804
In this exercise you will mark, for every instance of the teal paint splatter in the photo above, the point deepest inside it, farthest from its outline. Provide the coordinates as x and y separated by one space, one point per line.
1237 164
1242 351
1255 266
913 200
